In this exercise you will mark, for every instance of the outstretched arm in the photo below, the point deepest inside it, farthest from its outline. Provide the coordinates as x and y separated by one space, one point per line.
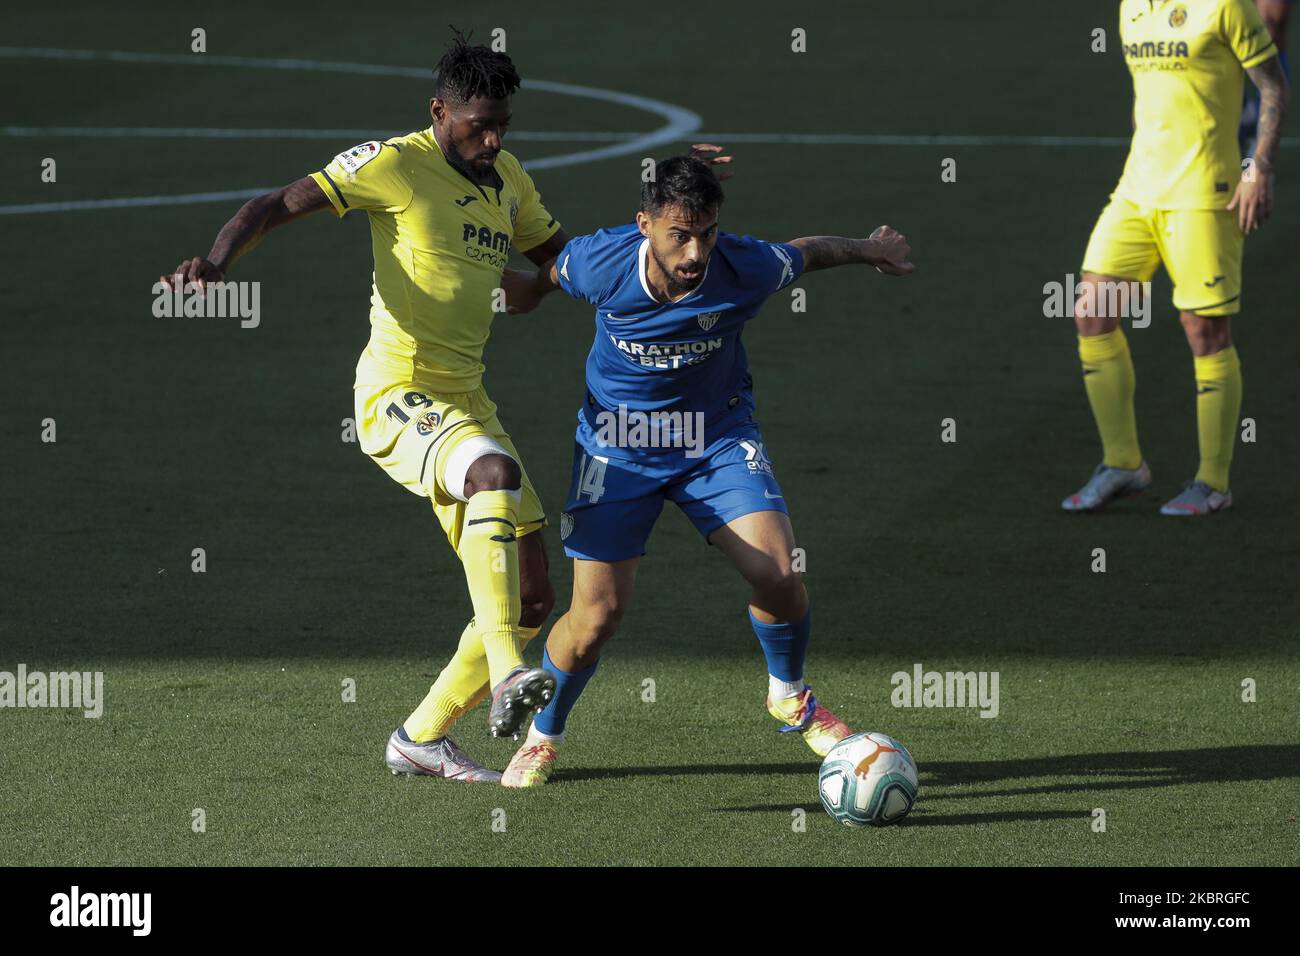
242 233
886 249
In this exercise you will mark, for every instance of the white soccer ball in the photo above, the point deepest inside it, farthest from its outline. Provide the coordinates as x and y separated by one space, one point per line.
868 779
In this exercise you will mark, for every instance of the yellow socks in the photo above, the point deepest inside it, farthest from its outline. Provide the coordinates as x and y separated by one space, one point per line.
492 643
458 689
1110 382
452 693
491 558
1218 405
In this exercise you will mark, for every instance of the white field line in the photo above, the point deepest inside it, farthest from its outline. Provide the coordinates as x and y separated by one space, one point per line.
678 122
573 136
682 125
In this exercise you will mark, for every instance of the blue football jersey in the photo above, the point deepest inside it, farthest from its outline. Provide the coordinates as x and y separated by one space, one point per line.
684 356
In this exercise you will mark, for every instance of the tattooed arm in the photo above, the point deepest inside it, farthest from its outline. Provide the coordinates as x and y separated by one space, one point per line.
886 249
1254 198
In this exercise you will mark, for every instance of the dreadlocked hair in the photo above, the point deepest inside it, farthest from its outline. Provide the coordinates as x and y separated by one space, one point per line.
465 72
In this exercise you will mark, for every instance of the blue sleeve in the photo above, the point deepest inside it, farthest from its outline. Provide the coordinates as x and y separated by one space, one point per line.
572 267
769 267
589 266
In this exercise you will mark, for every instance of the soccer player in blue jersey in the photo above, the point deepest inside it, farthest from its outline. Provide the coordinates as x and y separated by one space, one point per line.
669 417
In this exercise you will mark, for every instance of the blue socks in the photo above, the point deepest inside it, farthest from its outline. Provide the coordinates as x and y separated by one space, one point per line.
568 688
784 646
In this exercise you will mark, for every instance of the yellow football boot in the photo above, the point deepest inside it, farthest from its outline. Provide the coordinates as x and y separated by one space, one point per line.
531 765
803 714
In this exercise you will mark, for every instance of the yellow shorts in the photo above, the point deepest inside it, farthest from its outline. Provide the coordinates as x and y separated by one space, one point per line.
410 431
1201 250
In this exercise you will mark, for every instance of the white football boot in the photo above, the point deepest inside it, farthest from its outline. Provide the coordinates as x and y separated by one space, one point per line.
1107 484
1197 498
437 758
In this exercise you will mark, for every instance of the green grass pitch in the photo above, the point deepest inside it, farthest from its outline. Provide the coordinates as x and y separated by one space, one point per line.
1119 691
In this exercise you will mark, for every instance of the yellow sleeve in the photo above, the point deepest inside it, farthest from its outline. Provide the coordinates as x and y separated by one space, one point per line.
368 176
534 225
1244 31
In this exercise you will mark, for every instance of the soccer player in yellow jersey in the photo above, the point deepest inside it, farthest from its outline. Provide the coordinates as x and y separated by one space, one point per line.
1184 200
446 205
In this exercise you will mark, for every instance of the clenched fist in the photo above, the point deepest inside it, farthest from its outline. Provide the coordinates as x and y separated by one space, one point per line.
888 251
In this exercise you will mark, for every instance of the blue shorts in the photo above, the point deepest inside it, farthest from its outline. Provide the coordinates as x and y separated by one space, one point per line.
613 503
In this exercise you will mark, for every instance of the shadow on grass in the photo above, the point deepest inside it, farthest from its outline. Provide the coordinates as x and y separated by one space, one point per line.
1139 769
1123 770
919 818
1136 769
683 770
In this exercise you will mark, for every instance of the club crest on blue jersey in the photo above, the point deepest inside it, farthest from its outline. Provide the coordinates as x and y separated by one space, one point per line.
707 320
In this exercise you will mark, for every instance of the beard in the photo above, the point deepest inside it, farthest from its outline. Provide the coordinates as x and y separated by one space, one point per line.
676 284
479 164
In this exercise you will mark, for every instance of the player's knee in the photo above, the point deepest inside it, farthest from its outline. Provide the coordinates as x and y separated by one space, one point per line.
1102 302
780 590
493 472
593 627
1206 335
777 577
480 463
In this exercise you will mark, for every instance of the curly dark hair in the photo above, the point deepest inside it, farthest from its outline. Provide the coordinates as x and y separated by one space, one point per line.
682 182
465 72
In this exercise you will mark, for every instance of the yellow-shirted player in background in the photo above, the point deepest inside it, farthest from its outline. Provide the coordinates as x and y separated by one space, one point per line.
446 205
1184 200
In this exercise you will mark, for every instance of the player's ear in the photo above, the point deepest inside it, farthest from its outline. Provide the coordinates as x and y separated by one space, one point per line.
436 109
643 223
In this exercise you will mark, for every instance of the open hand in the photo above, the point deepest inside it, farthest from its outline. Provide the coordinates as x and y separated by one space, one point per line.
700 151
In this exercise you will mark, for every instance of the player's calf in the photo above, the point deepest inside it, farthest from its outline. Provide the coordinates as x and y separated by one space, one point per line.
536 594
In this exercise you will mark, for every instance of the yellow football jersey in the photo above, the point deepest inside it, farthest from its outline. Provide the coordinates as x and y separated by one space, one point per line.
440 243
1188 60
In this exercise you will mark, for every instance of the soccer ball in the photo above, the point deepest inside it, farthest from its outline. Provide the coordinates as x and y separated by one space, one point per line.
868 779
